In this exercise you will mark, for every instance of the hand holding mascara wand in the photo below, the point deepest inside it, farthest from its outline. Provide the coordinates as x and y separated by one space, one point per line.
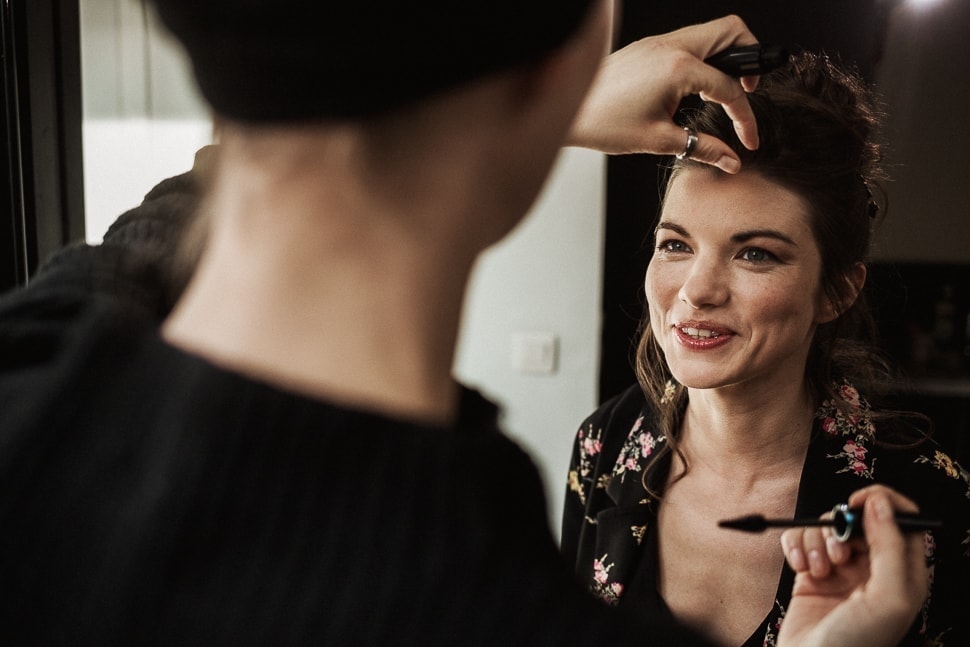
846 522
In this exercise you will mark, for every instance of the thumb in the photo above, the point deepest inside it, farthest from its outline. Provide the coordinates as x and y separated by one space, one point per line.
894 559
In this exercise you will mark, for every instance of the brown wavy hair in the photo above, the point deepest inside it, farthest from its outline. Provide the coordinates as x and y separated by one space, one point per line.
818 123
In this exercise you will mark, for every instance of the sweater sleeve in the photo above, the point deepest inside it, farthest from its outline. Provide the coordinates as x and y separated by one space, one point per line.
143 261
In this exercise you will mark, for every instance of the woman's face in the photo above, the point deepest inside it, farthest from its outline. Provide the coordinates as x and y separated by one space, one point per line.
733 286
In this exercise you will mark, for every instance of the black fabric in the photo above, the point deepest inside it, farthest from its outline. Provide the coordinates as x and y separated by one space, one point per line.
150 497
143 260
609 530
292 60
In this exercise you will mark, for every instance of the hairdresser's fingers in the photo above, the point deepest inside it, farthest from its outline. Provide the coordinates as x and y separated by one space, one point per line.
813 542
705 39
899 502
899 579
632 102
708 149
886 542
791 546
838 552
714 85
711 84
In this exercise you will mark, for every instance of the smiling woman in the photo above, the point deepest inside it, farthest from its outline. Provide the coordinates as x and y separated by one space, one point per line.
733 287
754 369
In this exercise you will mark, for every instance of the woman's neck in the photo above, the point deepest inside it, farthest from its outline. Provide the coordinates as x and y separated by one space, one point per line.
744 436
318 287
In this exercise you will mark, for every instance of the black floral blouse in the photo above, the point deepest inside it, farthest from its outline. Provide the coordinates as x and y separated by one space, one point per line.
608 522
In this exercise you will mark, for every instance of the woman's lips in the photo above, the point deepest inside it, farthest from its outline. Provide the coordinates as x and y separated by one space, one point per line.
702 336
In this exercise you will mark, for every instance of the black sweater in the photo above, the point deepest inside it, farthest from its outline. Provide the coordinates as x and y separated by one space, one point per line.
148 496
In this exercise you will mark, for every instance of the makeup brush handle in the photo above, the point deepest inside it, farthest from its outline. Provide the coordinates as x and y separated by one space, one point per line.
848 522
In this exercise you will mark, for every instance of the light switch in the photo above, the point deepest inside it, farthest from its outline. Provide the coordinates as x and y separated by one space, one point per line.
535 353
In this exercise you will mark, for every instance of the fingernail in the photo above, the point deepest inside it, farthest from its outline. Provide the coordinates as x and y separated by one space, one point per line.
837 550
815 563
881 508
796 559
728 164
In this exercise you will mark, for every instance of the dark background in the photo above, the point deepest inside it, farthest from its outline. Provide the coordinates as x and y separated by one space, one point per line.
42 193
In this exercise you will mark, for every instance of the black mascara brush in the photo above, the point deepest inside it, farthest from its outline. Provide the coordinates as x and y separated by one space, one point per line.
846 522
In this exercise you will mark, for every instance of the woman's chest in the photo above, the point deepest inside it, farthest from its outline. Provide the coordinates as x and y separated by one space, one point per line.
722 581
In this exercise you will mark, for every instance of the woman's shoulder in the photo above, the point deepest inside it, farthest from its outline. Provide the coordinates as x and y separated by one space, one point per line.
927 466
619 411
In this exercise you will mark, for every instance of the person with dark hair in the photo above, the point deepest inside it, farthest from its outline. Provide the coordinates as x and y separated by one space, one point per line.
754 365
288 460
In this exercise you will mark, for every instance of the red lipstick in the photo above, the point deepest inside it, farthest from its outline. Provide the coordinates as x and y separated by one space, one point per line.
702 335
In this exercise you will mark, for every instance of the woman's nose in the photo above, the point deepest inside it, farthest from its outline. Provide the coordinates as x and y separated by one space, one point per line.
705 286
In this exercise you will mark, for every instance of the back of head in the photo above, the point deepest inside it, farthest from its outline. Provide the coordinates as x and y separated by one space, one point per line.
298 60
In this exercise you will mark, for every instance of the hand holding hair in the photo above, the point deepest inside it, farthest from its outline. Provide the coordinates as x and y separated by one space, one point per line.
638 89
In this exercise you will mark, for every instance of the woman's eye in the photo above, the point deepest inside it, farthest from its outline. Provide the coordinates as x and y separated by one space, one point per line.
675 246
757 255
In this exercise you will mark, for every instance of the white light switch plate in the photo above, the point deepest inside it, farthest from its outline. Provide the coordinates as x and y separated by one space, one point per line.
535 353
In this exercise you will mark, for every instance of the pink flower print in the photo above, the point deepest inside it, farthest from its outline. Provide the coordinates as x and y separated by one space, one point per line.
601 572
610 592
637 424
647 443
592 446
929 544
631 464
857 451
849 394
858 467
829 426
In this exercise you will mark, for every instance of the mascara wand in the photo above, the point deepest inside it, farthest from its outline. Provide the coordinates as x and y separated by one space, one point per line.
846 522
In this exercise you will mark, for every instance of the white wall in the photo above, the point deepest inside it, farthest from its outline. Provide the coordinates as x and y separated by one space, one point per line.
144 121
143 118
545 278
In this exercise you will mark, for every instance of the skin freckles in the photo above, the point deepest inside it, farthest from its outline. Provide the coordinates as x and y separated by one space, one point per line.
733 285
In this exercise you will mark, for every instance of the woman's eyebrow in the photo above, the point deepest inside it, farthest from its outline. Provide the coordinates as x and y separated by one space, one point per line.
740 237
663 224
744 236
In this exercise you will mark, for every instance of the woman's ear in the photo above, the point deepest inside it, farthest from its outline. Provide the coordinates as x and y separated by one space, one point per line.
854 279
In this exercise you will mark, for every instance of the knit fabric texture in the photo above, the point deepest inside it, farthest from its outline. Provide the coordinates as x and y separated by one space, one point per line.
298 60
